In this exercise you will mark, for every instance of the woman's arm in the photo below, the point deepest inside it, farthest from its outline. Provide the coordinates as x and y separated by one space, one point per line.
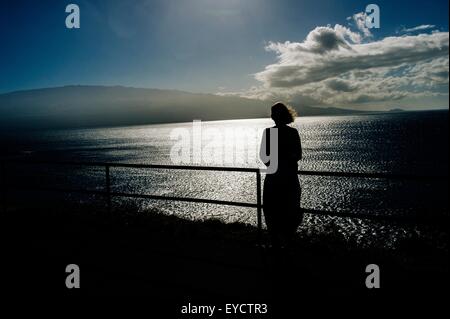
264 150
298 153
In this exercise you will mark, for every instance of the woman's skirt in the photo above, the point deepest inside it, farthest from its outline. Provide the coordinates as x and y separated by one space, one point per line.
281 203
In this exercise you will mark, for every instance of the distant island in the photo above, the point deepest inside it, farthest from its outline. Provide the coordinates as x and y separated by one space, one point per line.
94 106
396 110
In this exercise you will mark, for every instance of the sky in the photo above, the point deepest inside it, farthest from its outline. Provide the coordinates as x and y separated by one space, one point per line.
310 52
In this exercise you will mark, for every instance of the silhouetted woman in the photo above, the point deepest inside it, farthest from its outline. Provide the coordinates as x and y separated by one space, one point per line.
281 197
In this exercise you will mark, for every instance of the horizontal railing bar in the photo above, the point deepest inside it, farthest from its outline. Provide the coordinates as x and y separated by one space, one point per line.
143 196
403 219
58 190
373 175
186 199
237 169
414 219
128 165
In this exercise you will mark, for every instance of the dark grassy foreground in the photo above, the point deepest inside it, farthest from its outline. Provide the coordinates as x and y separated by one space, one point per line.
179 261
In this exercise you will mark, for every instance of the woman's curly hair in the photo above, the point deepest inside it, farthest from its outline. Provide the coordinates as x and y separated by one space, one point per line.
283 114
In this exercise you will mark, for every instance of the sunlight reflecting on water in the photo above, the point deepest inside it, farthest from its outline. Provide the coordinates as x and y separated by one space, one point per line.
410 143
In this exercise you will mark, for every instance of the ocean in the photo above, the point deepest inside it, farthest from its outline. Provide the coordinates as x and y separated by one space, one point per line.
395 142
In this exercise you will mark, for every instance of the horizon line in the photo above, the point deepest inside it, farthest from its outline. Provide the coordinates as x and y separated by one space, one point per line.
215 94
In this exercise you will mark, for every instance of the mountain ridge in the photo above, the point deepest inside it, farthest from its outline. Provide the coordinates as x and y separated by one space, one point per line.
75 106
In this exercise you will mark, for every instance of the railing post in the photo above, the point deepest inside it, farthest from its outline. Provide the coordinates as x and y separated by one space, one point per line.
258 202
108 189
3 186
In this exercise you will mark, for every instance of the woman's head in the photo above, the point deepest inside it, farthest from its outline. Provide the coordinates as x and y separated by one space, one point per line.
282 114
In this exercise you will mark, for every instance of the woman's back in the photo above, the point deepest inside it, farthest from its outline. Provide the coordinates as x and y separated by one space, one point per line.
288 149
282 192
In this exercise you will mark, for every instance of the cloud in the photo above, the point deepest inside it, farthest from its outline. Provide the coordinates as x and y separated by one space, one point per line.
335 65
340 85
322 40
298 64
308 62
360 21
418 28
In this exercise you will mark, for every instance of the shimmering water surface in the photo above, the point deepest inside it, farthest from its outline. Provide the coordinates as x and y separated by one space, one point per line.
407 142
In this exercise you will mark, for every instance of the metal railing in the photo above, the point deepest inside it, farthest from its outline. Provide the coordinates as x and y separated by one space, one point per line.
108 193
